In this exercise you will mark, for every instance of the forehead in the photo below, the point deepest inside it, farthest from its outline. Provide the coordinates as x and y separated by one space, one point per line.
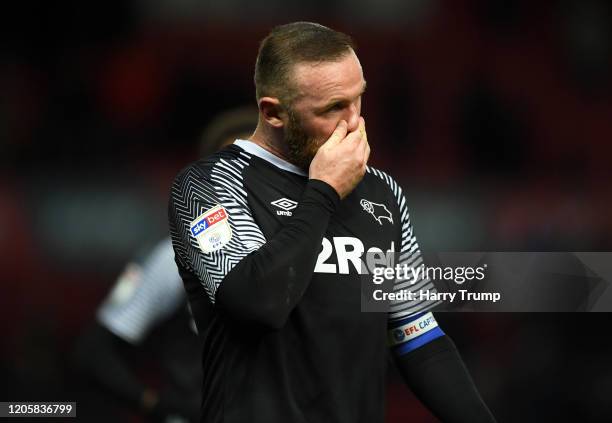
322 81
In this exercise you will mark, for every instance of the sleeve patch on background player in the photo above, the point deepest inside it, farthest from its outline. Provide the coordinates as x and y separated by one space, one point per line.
211 229
126 285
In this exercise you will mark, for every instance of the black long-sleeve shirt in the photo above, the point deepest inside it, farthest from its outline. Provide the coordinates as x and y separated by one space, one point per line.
278 255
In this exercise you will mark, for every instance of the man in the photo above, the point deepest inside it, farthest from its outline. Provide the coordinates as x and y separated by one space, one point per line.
287 341
146 309
144 318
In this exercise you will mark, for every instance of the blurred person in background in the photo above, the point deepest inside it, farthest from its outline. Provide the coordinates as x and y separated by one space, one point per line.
288 341
149 297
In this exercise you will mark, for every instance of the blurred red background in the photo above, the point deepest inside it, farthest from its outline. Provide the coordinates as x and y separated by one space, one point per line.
494 115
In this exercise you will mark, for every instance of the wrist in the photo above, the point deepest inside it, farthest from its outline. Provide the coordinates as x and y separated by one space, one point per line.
322 192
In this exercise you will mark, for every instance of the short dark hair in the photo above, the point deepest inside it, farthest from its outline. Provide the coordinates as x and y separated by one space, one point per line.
293 43
226 127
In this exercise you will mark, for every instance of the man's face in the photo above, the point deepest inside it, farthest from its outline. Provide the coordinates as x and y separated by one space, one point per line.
327 93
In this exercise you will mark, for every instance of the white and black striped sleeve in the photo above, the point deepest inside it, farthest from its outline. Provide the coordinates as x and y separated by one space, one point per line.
196 191
410 255
143 295
248 277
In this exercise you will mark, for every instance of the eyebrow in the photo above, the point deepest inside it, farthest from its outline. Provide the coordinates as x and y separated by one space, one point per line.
338 100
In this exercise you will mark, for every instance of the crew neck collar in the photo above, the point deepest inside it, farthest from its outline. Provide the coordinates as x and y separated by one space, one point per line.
257 150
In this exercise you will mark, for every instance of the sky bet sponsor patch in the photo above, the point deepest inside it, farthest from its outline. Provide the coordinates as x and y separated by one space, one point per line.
211 229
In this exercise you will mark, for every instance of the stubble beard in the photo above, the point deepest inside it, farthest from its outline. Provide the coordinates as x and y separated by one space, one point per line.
302 148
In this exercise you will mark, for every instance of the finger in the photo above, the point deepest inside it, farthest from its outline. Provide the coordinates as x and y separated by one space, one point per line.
339 133
353 139
364 151
367 152
362 127
364 142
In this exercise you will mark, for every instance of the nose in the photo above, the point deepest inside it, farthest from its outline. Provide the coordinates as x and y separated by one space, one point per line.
352 117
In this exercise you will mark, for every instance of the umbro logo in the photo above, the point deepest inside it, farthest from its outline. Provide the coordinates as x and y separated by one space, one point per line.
286 205
378 211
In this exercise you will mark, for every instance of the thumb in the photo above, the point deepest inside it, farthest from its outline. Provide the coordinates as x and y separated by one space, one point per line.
339 133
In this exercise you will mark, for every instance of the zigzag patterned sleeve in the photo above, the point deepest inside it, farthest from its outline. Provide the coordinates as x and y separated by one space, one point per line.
409 254
250 278
194 192
145 294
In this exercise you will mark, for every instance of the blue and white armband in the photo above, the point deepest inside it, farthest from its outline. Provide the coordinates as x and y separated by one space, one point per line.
409 333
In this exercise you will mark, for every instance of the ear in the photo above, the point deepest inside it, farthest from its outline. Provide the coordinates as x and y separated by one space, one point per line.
272 112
